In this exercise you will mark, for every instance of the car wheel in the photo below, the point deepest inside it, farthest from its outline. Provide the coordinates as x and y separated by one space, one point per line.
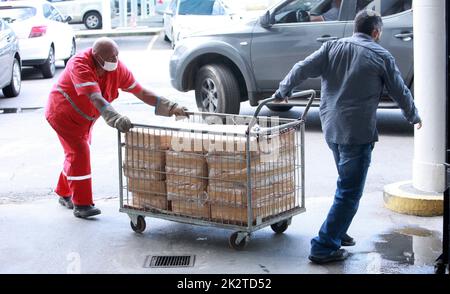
93 20
48 69
13 89
72 52
217 90
279 108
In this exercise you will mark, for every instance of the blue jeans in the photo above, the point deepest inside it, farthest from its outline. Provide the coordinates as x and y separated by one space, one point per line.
352 162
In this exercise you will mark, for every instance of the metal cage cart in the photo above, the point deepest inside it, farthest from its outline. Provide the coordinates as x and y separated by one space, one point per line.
235 172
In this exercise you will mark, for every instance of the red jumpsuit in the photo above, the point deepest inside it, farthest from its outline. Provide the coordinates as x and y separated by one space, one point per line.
72 115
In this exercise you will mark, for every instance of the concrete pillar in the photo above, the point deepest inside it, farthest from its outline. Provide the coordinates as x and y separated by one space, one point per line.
430 94
424 195
123 13
106 16
134 13
144 5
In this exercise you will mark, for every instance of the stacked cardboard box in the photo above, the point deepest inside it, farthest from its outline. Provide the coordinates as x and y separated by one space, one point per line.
144 167
272 181
186 181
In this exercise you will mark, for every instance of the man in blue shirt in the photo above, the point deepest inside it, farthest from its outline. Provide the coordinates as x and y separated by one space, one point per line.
354 72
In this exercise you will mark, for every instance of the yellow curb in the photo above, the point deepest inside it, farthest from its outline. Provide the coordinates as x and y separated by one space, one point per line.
402 198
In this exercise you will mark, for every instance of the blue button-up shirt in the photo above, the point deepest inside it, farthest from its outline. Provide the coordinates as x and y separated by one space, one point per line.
354 73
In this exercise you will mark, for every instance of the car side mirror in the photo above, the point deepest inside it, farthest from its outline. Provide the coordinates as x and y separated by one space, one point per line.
68 18
265 20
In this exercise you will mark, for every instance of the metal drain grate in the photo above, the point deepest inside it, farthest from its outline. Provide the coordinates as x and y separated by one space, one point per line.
168 261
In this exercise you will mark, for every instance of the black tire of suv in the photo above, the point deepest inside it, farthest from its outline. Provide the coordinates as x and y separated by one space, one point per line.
48 69
73 51
279 108
12 90
227 87
96 14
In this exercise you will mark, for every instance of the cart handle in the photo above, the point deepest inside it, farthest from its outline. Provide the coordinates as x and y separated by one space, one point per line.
302 94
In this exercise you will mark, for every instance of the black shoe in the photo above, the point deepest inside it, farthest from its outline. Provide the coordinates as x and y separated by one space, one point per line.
347 241
338 255
66 201
85 211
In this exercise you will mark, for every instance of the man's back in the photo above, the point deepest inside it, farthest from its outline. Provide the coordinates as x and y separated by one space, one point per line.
357 70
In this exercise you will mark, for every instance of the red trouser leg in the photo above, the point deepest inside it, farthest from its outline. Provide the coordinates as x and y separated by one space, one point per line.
63 189
76 177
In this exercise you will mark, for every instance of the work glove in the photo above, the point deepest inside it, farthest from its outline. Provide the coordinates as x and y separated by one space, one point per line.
115 120
165 107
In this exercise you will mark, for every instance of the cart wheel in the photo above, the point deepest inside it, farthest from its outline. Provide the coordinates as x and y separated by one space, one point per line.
140 226
280 227
242 244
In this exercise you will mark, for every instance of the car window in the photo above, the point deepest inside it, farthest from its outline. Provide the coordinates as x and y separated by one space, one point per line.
389 7
55 15
295 11
218 8
19 13
173 6
196 7
46 8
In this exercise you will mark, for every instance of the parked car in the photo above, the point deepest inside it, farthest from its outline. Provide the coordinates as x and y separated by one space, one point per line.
184 17
88 12
44 34
247 61
10 79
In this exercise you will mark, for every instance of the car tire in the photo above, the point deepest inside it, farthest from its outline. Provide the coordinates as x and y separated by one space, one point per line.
48 69
93 20
279 108
13 89
73 50
217 90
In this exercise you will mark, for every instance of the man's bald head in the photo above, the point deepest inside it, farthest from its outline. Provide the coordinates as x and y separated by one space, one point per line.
105 50
105 46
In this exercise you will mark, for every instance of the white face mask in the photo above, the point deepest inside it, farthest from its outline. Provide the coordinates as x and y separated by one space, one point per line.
109 66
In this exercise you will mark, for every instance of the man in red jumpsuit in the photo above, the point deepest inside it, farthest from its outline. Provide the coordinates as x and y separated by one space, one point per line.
83 93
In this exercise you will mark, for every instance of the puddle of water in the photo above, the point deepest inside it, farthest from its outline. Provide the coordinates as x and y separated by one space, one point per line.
410 246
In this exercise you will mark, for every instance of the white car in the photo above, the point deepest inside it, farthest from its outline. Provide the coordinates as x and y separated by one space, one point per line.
44 34
185 17
88 12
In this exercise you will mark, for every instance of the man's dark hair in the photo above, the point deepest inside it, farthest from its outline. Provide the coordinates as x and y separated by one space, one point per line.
366 21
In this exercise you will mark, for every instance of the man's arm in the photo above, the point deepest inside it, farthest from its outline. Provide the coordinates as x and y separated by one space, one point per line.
163 106
109 114
147 96
313 66
399 92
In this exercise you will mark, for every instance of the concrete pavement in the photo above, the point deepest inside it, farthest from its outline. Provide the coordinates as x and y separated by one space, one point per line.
43 237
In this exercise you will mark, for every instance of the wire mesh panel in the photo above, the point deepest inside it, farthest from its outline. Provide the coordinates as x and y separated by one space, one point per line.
210 168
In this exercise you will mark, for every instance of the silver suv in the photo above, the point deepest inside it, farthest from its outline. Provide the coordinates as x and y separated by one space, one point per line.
88 12
247 61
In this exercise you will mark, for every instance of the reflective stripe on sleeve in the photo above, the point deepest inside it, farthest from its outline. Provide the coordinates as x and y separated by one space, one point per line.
86 84
89 118
131 87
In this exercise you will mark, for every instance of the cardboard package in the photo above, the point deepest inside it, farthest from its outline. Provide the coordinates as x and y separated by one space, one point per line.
192 208
239 214
151 139
144 168
186 179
